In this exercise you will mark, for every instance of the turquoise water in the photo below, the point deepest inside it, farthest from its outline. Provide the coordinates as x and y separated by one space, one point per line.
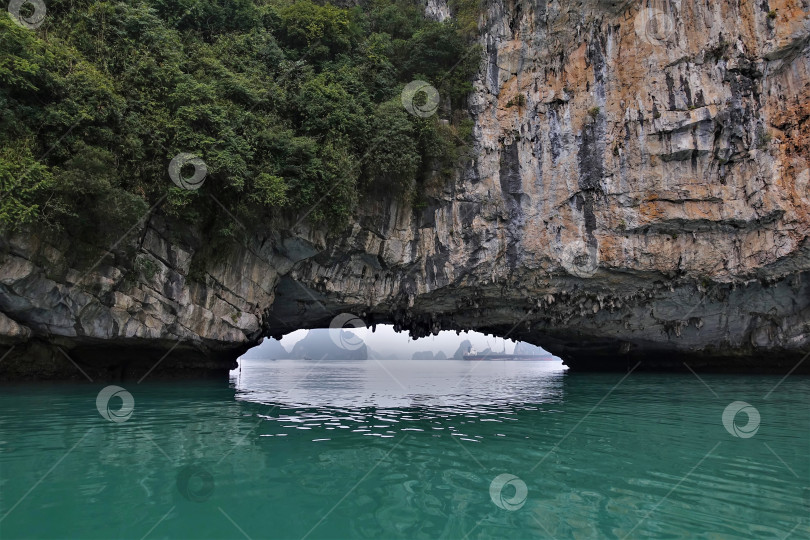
409 449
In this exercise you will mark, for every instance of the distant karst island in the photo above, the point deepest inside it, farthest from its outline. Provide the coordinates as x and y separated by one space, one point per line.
362 344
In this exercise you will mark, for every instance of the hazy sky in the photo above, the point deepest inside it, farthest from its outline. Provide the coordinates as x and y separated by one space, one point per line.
388 342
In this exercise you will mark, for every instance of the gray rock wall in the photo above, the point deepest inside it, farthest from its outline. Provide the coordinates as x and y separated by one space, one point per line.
645 200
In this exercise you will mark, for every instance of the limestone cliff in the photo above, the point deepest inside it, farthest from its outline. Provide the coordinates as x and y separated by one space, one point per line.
637 192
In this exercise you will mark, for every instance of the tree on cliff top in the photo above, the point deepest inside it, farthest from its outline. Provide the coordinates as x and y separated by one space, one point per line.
287 103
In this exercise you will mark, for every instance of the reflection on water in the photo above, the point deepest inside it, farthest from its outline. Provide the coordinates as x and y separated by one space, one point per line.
409 449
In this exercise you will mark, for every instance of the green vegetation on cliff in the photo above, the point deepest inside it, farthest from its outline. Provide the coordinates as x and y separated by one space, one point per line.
286 102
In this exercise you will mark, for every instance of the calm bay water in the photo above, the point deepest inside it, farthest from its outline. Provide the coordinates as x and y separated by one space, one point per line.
410 449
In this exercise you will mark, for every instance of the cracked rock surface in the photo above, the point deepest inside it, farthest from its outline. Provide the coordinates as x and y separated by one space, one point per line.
643 204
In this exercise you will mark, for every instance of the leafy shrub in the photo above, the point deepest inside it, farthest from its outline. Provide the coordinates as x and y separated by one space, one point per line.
293 105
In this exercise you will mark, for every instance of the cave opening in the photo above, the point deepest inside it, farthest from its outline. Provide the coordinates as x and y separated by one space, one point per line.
385 342
381 367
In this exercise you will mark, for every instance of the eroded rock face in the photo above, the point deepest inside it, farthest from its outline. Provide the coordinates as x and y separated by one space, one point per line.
637 192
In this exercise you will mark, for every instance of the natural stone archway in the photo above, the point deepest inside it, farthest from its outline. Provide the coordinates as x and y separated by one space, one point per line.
628 198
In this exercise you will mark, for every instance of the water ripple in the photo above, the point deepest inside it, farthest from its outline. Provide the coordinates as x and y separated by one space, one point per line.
409 451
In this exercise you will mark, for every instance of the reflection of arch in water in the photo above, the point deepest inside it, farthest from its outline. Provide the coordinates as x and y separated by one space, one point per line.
399 384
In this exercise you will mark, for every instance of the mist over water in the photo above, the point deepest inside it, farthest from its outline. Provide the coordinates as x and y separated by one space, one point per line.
383 342
409 449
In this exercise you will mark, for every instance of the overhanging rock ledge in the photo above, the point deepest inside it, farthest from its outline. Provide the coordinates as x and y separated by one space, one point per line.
643 205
